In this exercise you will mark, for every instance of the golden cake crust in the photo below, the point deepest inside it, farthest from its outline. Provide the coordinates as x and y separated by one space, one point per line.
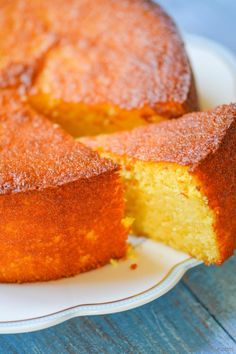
186 141
24 41
204 141
61 206
63 231
126 54
48 156
217 174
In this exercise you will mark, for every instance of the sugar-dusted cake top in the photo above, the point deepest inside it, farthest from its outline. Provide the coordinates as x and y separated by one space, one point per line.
186 140
125 53
36 154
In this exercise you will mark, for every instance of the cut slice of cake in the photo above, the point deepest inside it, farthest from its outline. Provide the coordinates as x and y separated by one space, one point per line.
180 180
61 205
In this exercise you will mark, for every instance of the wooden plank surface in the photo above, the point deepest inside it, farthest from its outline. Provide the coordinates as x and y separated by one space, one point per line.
215 289
175 323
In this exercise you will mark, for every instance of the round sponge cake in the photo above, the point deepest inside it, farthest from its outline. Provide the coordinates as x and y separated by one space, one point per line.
97 66
92 67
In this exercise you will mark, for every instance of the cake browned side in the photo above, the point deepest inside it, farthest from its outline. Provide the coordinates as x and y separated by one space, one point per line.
96 66
61 205
200 146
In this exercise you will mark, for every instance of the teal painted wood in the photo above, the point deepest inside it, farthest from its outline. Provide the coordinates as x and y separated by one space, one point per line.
175 323
215 288
211 18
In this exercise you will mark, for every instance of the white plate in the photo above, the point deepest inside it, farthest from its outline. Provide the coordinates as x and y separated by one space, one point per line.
115 288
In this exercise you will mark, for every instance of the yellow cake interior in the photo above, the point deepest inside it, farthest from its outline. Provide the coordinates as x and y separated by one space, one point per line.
167 205
80 119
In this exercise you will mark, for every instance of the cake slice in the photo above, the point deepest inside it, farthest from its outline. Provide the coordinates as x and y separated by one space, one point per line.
61 206
180 180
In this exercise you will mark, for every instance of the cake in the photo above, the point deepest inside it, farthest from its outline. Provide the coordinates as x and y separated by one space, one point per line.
61 205
180 180
96 66
102 67
25 40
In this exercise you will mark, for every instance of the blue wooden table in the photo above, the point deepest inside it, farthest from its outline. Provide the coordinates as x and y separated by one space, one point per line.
199 314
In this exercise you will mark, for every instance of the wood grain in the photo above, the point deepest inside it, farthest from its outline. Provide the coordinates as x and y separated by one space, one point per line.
215 288
175 323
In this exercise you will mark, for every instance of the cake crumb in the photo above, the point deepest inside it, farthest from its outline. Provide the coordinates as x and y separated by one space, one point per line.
133 266
113 262
131 253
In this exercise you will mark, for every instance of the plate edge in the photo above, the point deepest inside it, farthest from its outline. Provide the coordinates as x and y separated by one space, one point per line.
120 305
